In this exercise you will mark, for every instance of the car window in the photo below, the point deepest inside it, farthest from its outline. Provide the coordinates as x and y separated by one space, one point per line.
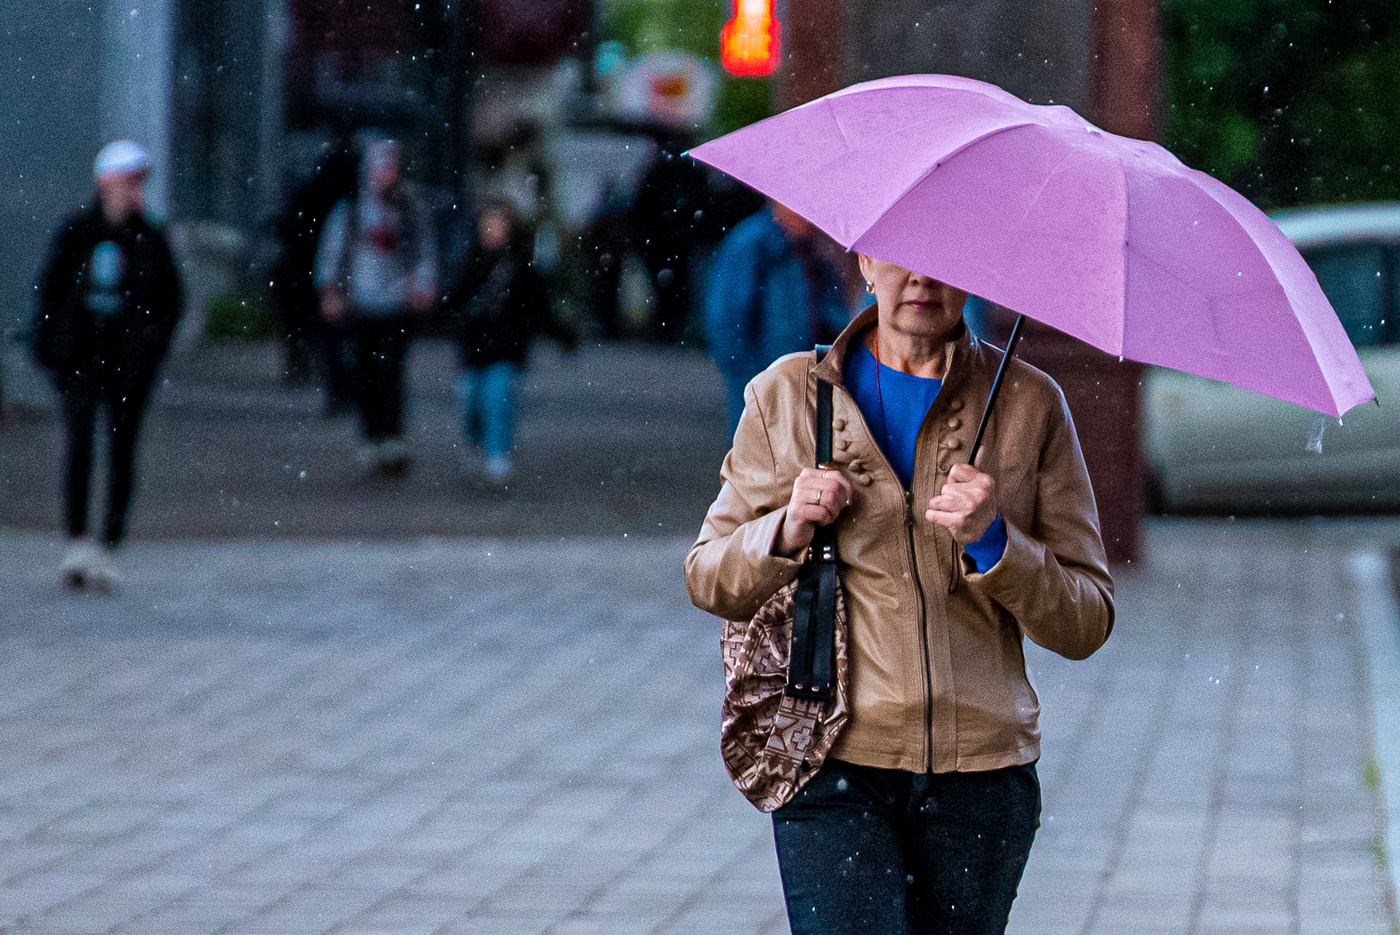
1358 282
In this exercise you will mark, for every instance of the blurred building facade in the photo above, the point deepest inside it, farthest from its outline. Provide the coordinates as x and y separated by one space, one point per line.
238 101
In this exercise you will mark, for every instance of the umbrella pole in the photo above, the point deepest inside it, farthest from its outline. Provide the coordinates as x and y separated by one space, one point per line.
996 388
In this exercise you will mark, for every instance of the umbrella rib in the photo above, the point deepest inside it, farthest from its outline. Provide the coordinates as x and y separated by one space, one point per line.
1314 341
938 164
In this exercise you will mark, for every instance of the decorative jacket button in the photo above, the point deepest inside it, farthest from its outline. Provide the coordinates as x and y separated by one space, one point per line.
843 444
865 480
838 424
955 423
955 405
952 444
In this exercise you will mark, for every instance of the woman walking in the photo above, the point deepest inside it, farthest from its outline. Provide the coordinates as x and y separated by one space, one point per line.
922 816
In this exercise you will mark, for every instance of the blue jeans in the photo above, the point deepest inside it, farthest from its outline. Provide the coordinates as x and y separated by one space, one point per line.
488 407
887 852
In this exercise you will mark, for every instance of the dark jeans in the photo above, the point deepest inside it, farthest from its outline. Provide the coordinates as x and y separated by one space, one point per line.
125 411
887 852
339 354
381 346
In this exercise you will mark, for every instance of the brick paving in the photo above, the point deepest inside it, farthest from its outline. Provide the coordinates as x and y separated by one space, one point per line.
520 736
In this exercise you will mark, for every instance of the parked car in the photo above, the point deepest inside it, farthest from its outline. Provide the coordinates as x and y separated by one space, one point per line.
1211 447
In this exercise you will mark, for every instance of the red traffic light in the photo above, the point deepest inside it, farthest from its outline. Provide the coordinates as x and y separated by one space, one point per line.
749 43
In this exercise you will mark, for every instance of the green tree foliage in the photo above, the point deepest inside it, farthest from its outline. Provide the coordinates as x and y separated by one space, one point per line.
1290 101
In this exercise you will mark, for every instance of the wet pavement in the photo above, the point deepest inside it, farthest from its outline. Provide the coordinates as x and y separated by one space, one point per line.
507 721
613 439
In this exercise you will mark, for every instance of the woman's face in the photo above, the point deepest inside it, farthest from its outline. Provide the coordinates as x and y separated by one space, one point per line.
911 303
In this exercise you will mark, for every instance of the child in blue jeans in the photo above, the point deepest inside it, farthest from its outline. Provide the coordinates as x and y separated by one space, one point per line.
498 307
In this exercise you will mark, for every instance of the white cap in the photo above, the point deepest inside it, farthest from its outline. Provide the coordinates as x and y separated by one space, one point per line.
120 158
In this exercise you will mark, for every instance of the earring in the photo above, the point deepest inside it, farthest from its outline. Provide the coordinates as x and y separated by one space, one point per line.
869 287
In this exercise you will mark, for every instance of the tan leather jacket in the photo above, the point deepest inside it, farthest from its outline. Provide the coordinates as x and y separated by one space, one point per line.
937 679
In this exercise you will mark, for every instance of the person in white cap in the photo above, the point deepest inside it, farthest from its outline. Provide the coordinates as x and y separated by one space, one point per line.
109 298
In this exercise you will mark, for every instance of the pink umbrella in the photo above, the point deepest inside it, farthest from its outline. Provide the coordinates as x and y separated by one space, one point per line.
1106 238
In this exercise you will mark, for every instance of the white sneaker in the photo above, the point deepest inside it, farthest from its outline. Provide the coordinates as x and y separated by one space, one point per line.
78 561
498 468
104 575
367 455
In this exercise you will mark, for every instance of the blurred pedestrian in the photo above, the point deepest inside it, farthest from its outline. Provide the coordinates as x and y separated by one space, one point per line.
666 214
376 269
306 336
772 290
109 299
497 308
605 241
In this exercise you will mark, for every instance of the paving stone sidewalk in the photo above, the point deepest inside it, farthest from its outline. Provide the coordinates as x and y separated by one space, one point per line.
472 736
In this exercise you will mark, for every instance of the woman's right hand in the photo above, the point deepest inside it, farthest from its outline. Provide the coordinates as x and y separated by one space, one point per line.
818 497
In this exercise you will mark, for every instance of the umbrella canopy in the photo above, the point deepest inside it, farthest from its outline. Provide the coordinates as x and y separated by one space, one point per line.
1109 239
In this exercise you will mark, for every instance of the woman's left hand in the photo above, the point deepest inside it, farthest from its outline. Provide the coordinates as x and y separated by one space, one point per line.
966 507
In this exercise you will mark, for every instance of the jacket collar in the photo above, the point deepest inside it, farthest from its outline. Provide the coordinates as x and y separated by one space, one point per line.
956 352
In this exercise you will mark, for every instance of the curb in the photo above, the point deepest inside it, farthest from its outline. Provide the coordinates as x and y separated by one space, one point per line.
1380 631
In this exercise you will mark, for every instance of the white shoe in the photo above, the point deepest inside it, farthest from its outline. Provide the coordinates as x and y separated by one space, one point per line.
367 455
78 561
498 468
104 575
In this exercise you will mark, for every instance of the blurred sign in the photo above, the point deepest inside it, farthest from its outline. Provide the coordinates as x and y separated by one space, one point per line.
749 43
669 87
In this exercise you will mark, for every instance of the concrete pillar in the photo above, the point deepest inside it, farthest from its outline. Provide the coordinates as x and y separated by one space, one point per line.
811 51
137 49
1104 393
276 39
1124 75
1038 51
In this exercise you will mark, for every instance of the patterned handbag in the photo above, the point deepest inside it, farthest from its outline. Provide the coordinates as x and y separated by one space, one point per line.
785 671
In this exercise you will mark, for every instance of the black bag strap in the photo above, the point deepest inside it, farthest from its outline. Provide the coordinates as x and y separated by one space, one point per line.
812 660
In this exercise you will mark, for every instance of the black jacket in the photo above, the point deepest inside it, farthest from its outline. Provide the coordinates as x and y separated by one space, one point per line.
121 342
499 306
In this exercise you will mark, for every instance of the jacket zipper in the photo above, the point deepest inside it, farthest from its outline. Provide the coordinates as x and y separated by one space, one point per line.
923 629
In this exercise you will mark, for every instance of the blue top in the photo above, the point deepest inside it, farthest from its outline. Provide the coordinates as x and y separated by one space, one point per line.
894 406
759 302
